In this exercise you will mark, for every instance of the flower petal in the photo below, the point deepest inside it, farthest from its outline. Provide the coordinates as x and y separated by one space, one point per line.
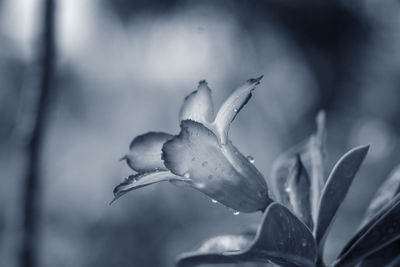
220 172
281 238
312 154
336 189
198 106
381 231
145 152
136 181
231 107
389 189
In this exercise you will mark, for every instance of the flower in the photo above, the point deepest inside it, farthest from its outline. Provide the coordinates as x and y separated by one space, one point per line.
201 155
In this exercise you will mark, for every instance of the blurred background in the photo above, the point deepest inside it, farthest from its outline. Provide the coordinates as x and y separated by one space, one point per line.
122 68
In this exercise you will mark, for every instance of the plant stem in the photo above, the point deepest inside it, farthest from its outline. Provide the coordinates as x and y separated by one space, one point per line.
31 207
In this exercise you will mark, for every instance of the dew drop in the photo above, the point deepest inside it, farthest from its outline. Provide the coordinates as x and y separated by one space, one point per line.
186 175
235 212
304 243
288 189
214 201
250 159
235 110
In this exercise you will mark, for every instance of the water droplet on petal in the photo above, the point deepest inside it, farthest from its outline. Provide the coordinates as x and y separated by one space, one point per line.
186 175
235 212
304 243
288 189
235 110
250 159
214 201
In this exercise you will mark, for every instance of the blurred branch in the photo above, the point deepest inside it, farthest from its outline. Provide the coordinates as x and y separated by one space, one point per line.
31 207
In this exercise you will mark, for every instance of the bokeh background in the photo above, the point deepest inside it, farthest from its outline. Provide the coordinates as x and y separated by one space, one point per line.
123 68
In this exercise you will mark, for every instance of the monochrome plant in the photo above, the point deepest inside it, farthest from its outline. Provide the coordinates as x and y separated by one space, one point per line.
298 201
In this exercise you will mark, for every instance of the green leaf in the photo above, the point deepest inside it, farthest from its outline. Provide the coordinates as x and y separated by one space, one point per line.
231 107
389 189
198 106
281 239
382 230
335 190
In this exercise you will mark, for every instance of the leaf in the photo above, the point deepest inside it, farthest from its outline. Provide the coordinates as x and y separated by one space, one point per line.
140 180
383 257
231 107
198 106
298 188
335 190
317 158
212 251
220 172
389 189
381 231
312 155
281 239
145 152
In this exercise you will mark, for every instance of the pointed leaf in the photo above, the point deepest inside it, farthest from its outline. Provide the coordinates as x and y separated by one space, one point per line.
231 107
281 239
198 106
389 189
317 158
225 176
140 180
312 156
335 190
381 231
285 239
298 188
145 152
383 257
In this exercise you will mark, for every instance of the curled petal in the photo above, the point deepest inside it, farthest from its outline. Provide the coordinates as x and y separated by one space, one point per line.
388 190
198 106
145 152
231 107
281 239
136 181
220 172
